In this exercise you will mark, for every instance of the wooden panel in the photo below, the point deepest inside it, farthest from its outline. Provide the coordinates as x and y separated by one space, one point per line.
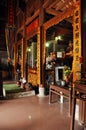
32 77
77 40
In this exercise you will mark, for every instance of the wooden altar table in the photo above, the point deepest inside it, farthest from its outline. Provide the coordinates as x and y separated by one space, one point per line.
62 91
79 93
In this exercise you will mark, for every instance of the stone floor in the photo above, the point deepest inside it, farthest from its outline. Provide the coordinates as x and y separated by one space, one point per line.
34 113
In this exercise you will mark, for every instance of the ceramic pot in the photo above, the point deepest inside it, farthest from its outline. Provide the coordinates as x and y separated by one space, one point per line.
63 83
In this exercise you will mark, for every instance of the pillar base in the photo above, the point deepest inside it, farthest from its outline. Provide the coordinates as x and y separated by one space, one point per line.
41 92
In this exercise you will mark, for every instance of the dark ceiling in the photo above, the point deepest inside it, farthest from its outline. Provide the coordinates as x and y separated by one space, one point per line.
52 9
3 20
64 29
3 11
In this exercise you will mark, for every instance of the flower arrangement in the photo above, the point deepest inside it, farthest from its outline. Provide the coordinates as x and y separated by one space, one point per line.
67 70
68 73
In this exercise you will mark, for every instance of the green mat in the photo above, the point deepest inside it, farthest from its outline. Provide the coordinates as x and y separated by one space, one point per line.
12 88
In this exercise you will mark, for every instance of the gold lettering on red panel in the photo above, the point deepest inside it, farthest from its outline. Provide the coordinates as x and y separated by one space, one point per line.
77 39
11 12
31 27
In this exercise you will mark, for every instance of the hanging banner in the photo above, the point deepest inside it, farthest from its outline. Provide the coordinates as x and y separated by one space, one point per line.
6 37
9 35
10 12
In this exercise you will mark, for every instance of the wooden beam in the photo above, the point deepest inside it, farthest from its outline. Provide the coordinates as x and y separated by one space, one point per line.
51 11
54 3
60 5
30 19
57 5
59 18
47 3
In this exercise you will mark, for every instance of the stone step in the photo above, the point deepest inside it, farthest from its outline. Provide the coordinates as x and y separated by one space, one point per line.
20 94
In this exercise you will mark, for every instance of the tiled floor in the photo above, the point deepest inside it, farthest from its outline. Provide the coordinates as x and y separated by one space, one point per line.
34 113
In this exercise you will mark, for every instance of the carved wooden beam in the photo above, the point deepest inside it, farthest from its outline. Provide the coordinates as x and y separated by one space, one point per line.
30 19
47 3
61 4
51 11
59 17
53 4
58 5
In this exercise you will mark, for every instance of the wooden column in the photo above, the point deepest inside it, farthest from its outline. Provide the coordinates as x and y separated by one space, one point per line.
23 57
15 58
83 30
41 46
76 40
82 109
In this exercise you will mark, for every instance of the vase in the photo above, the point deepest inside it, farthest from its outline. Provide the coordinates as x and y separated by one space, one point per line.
67 80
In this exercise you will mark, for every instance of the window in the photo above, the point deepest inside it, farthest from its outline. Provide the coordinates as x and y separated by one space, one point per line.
32 52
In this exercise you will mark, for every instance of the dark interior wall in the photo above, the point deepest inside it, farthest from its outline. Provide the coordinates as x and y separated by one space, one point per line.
83 32
3 60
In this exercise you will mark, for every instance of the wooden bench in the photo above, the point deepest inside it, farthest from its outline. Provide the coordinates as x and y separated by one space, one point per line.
61 91
79 93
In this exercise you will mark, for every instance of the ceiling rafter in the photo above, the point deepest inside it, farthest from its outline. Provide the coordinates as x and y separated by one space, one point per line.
61 5
47 3
58 6
59 17
51 11
53 4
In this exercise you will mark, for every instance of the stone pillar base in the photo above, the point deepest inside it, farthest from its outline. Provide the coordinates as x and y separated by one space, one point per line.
41 91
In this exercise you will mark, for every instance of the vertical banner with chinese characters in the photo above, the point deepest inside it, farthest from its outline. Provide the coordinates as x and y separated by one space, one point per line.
10 12
10 29
9 36
77 40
